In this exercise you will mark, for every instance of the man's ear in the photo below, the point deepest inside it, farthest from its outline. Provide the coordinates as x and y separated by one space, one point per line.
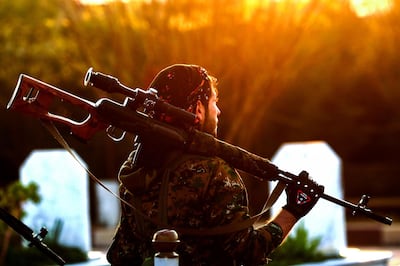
200 111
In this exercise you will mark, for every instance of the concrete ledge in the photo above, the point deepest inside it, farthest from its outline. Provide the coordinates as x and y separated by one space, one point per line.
353 257
96 258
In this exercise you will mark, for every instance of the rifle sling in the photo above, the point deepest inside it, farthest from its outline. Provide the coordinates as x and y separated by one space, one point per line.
162 221
49 125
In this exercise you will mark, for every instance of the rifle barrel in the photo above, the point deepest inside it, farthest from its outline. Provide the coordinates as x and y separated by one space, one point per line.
358 209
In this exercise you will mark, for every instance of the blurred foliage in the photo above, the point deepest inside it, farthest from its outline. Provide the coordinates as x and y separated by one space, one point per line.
16 193
299 248
287 72
11 198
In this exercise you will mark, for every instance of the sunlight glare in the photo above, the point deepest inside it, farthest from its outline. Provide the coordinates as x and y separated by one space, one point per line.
99 2
94 2
368 7
362 8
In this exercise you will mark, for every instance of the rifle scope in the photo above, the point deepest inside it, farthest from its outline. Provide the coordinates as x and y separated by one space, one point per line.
111 84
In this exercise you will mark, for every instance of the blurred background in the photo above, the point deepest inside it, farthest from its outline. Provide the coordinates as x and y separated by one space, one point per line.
287 70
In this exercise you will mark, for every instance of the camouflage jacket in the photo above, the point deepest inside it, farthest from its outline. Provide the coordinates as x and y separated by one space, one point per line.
200 193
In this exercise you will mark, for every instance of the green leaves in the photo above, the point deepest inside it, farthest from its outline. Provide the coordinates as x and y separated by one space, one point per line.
298 248
16 193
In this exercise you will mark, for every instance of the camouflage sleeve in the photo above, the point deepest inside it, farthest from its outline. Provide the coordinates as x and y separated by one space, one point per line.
230 205
223 200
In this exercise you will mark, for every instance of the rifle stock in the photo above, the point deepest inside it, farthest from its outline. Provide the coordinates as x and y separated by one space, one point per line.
34 97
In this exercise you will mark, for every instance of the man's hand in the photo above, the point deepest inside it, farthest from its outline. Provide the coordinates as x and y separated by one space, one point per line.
302 194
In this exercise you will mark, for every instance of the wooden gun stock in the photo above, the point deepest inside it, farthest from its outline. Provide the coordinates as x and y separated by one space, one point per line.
44 101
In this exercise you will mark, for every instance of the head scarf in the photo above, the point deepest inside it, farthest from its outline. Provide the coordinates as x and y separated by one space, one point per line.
182 85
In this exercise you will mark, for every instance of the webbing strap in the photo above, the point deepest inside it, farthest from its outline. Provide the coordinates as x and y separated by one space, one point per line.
238 226
255 220
56 134
163 198
276 192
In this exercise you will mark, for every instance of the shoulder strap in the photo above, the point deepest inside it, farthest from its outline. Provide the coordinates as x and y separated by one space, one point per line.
172 161
238 226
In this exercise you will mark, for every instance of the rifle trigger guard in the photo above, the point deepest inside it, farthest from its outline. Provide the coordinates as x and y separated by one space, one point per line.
111 134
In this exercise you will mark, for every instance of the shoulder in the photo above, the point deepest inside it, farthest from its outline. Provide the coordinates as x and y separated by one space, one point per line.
206 171
201 164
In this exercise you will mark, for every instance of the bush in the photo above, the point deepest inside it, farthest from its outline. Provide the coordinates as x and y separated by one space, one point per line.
298 248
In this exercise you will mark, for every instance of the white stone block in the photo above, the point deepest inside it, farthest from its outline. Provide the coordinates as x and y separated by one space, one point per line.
326 220
64 189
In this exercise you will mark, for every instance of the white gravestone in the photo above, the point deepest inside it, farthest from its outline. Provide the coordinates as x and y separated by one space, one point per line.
108 205
64 190
326 220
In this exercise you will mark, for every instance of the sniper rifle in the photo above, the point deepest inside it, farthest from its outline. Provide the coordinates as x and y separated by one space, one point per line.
136 115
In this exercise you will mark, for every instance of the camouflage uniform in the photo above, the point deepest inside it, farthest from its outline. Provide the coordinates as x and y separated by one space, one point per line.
202 192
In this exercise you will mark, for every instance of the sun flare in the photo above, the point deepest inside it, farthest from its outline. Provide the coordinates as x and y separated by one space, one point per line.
368 7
